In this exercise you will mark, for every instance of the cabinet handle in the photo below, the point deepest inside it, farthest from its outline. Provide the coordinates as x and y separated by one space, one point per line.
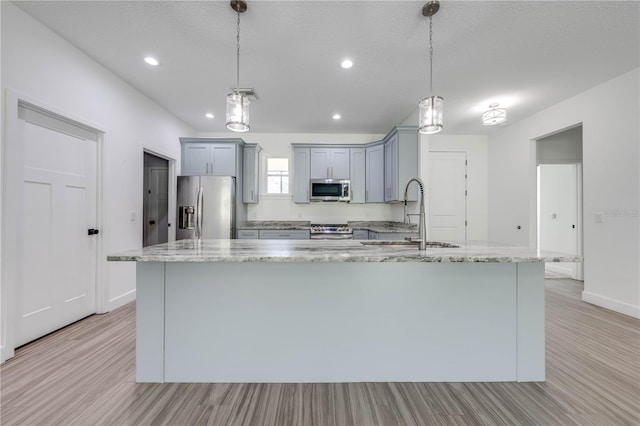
252 195
207 169
366 194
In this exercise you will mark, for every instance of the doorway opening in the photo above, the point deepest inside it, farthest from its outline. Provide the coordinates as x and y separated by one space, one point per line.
155 204
559 199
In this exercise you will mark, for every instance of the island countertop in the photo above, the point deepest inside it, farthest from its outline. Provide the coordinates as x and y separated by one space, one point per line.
333 251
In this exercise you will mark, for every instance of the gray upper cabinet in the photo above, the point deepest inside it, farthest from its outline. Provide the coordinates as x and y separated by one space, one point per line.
374 190
251 173
195 159
357 159
329 163
400 163
202 157
391 168
301 175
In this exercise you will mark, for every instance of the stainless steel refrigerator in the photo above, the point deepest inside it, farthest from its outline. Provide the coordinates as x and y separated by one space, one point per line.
206 207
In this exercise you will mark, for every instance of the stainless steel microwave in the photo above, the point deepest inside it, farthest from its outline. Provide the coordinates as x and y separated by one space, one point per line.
329 190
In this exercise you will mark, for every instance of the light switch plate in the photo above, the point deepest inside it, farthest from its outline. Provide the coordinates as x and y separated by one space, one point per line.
599 217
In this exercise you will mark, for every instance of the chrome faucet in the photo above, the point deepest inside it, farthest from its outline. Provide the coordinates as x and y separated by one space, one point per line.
422 229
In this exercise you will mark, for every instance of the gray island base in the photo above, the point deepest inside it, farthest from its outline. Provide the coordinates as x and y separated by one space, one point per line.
320 311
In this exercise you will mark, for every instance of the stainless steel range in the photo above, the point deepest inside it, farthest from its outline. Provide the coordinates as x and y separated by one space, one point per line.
331 232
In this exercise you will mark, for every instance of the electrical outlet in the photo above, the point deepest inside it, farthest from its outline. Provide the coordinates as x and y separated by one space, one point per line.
599 217
132 216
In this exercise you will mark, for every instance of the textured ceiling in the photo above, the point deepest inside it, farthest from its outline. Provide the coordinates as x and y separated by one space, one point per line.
526 54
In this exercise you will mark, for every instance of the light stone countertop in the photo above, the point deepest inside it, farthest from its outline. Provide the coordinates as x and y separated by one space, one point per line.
277 225
291 225
330 251
383 226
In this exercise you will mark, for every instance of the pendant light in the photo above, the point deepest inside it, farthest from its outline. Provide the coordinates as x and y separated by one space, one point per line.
430 109
237 101
494 115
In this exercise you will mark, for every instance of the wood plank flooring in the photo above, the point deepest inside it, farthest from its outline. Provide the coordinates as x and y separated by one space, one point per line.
84 375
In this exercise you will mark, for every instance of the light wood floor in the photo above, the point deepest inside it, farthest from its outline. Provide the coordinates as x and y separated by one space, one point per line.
84 374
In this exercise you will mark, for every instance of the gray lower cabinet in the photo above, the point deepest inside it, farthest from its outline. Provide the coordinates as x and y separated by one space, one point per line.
357 159
373 235
394 236
269 234
248 234
301 175
360 234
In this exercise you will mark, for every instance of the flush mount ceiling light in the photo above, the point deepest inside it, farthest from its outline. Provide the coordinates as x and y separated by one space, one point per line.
494 115
209 115
337 116
346 64
430 109
151 61
237 101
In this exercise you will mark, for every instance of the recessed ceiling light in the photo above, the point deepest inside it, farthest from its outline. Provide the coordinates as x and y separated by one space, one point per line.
209 115
347 63
151 61
337 116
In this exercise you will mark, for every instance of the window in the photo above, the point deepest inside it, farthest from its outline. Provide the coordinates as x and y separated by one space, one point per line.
277 175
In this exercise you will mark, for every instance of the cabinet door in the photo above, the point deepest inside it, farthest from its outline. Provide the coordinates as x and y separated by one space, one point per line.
375 174
357 158
223 160
373 235
301 175
195 159
391 169
250 174
360 234
320 163
284 235
339 163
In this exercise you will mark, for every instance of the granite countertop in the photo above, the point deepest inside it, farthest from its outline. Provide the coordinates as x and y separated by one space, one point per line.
277 225
331 251
384 226
289 225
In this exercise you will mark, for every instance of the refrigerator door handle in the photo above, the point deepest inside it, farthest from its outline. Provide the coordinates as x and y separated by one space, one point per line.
199 215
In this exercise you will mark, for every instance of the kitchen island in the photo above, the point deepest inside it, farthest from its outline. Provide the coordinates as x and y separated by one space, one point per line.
338 311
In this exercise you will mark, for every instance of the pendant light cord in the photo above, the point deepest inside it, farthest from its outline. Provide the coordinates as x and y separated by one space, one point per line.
238 54
430 55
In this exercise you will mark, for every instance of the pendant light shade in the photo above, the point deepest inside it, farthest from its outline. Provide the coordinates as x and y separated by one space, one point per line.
431 109
237 102
237 112
430 115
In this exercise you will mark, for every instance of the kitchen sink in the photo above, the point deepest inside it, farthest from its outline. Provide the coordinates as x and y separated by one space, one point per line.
391 243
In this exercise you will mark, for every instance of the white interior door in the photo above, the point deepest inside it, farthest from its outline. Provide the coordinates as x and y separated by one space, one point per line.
158 201
447 196
59 206
558 213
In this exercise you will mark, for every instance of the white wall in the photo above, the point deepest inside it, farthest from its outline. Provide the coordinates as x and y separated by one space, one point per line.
611 178
42 66
476 149
275 207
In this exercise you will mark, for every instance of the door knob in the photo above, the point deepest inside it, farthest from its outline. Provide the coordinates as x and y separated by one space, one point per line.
93 231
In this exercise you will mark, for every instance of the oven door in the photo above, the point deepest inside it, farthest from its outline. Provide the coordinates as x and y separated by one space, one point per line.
329 236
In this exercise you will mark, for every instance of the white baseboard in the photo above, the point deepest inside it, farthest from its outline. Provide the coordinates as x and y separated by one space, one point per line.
6 354
614 305
122 299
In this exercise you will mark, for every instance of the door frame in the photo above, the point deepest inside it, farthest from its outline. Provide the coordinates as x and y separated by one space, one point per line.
12 195
172 188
